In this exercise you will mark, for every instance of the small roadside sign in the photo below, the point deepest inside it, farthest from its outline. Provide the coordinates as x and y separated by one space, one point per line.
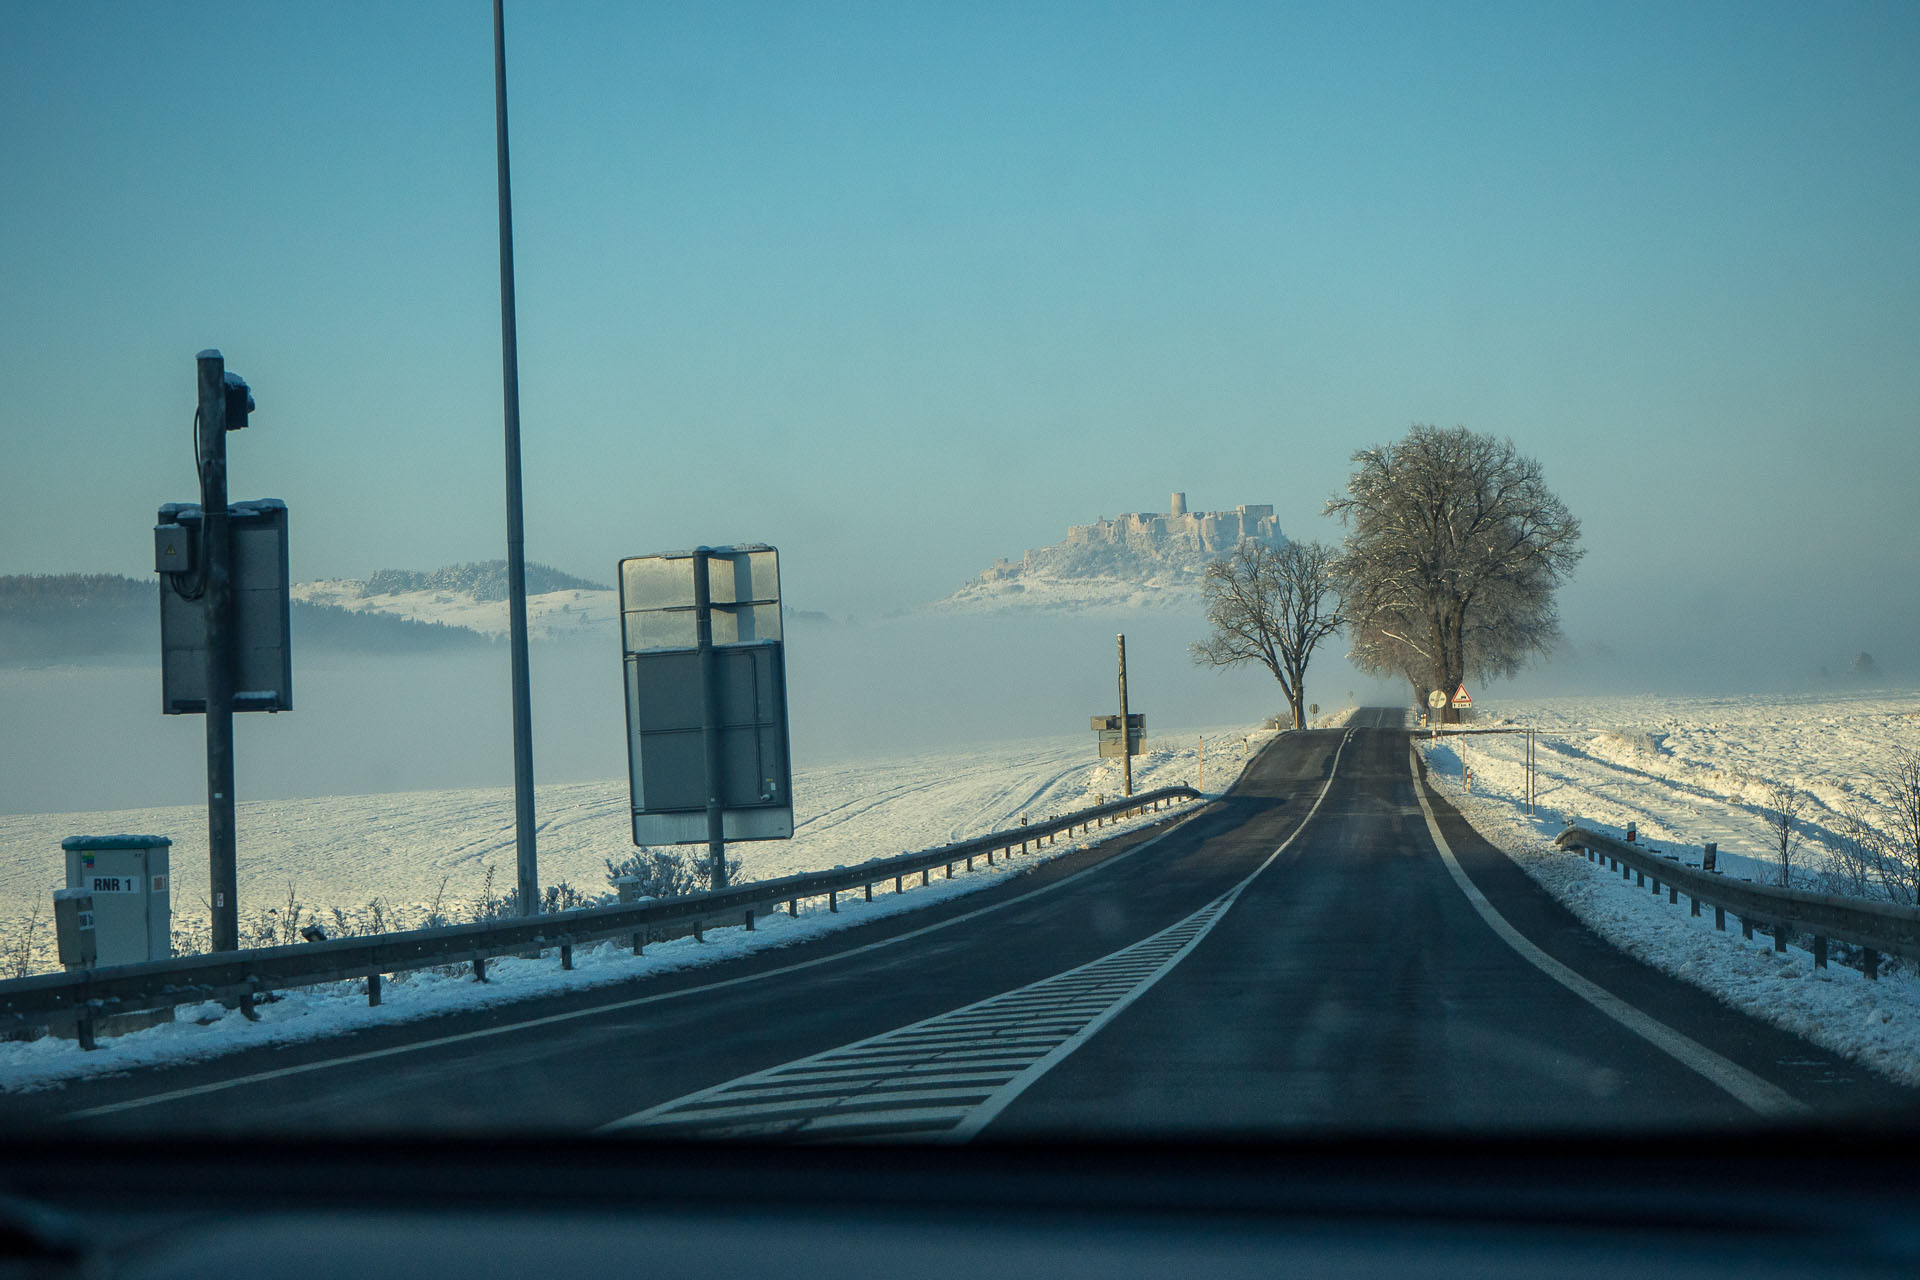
1461 698
1437 699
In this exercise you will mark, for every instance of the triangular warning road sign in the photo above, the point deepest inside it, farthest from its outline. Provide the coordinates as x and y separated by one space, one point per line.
1461 698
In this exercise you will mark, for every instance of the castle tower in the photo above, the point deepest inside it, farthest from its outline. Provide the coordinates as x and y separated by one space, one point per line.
1177 505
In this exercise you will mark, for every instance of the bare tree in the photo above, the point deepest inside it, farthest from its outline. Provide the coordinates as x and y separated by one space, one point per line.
1784 806
1273 607
1901 849
1454 549
1883 859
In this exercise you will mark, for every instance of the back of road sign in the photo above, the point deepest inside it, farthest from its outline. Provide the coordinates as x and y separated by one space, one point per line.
668 704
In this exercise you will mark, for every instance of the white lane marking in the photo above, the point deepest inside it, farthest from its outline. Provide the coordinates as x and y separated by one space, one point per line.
899 1064
415 1046
1744 1085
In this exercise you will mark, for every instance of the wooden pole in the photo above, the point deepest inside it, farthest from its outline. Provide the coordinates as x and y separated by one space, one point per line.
1126 732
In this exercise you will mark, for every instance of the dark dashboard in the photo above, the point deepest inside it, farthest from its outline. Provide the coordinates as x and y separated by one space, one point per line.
1815 1202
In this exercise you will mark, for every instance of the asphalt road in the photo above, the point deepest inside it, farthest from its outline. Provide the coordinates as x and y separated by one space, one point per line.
1297 955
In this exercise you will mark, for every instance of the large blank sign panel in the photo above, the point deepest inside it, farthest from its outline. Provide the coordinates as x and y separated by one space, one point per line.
667 698
262 651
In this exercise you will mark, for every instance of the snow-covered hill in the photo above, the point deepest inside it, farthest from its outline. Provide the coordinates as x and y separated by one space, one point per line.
474 596
1136 562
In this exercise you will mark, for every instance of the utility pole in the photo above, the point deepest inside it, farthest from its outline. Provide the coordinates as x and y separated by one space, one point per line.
523 833
709 718
1126 730
210 449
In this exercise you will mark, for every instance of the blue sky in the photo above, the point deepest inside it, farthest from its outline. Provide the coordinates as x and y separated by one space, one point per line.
902 288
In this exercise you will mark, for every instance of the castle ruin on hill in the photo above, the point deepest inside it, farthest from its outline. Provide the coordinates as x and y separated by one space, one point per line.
1214 532
1179 536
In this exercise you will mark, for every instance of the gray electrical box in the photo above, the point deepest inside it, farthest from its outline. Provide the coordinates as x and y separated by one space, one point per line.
666 696
128 880
73 928
176 549
262 608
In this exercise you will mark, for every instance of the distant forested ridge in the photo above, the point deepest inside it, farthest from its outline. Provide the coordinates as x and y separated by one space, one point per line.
484 580
52 617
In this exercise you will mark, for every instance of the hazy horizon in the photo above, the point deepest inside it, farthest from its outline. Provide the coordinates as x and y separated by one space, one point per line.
903 291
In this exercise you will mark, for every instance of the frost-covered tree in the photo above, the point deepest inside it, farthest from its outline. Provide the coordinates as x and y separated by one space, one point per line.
1271 606
1454 549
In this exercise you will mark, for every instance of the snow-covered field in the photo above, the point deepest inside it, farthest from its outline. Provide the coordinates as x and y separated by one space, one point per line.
411 851
1689 770
347 850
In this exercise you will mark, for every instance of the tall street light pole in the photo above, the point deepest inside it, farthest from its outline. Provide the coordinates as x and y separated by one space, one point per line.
523 836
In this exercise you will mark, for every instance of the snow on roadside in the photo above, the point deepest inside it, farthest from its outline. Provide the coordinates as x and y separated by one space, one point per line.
856 812
1667 765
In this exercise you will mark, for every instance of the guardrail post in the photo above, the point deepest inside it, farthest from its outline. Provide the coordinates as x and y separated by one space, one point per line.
566 955
749 919
1673 894
949 871
699 930
1746 927
969 862
247 1010
924 873
1870 962
896 883
1720 918
479 972
869 893
793 907
989 857
1693 905
833 901
1819 952
83 1031
639 942
373 990
1779 936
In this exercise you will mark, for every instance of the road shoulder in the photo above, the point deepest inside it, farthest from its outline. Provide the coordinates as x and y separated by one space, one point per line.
1813 1073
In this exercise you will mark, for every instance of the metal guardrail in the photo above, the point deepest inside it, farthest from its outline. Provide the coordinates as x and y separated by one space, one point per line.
1874 927
80 998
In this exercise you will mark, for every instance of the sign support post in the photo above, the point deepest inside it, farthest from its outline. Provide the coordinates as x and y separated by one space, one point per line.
709 717
210 448
1126 757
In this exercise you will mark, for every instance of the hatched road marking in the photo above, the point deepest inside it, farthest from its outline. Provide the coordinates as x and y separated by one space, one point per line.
904 1083
945 1078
